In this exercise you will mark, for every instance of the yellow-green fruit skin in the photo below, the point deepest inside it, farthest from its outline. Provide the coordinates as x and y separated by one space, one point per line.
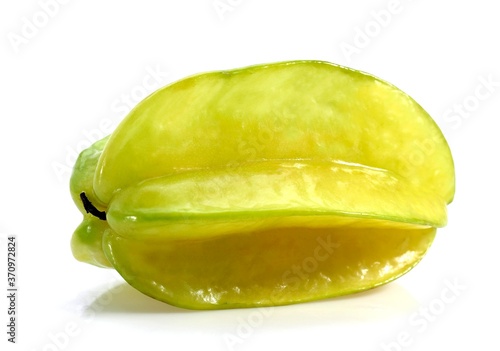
267 185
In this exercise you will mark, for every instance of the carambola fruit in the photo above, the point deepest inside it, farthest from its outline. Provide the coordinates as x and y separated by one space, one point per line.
267 185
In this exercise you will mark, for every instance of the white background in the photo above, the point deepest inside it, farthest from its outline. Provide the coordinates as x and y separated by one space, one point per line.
67 73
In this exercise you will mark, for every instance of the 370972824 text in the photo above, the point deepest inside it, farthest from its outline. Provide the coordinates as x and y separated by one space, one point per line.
11 289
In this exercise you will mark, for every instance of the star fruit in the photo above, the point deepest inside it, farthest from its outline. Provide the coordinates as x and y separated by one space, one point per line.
267 185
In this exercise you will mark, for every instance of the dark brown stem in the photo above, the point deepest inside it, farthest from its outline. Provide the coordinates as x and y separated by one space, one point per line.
91 208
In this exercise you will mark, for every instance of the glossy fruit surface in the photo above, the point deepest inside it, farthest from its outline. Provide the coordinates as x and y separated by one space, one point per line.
267 185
